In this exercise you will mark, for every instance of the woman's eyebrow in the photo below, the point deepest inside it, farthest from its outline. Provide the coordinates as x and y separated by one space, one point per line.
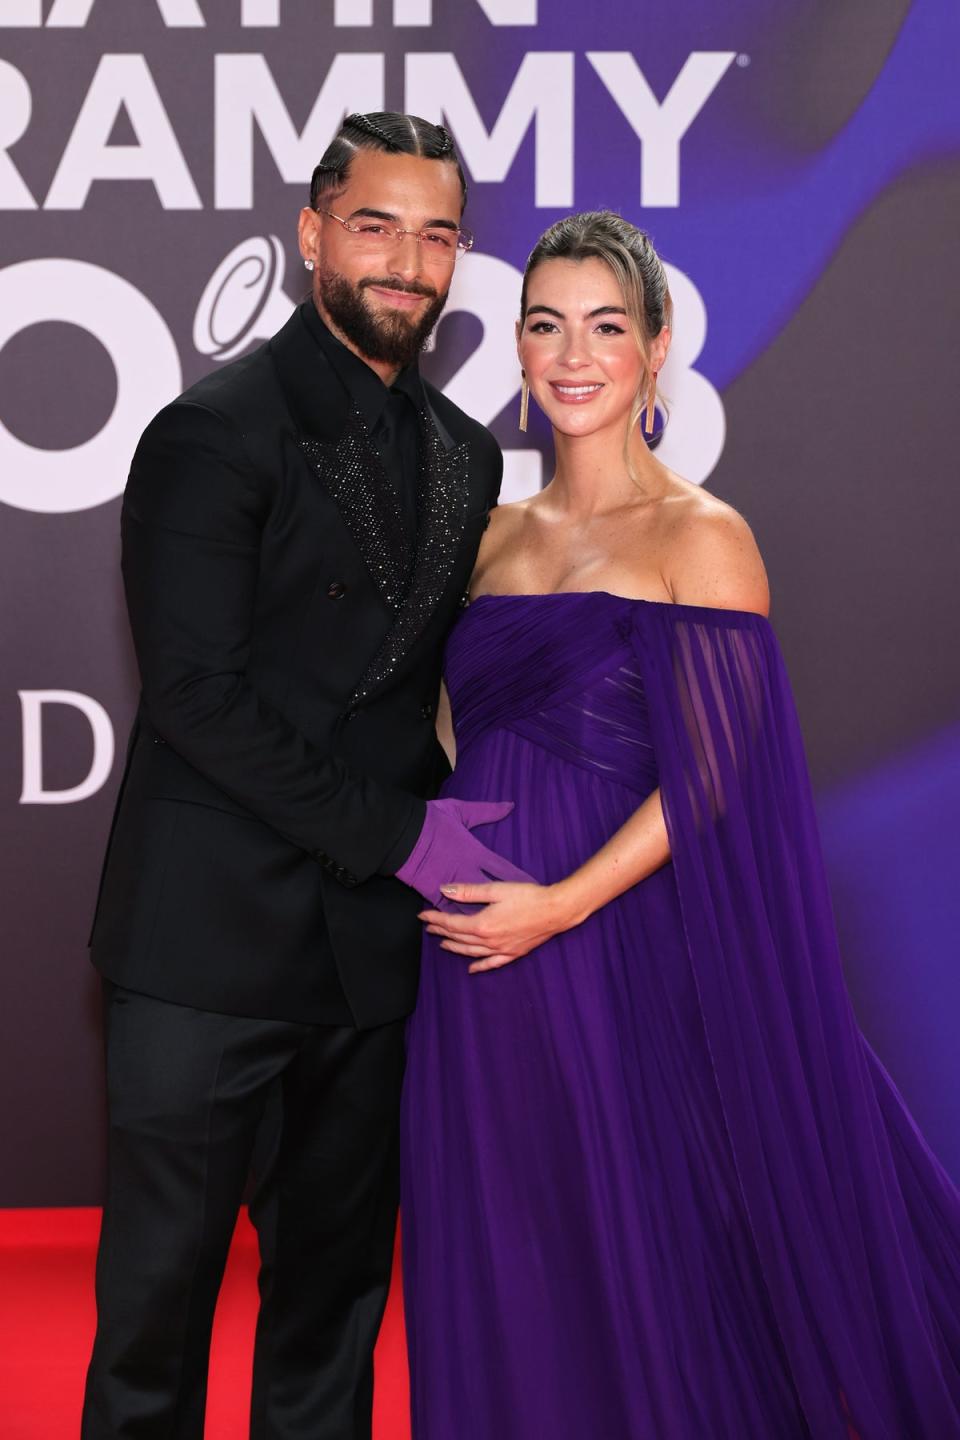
600 310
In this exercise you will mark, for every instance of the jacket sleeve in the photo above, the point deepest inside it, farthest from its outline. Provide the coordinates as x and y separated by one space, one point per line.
192 518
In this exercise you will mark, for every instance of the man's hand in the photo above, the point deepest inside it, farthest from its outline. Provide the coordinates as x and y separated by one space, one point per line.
447 850
515 920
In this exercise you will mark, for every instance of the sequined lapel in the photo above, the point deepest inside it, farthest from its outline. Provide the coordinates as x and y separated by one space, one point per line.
442 506
352 473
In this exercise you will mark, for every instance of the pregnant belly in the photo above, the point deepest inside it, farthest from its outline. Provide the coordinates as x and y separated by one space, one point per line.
563 811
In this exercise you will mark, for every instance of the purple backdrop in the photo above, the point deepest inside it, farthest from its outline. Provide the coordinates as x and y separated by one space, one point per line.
799 168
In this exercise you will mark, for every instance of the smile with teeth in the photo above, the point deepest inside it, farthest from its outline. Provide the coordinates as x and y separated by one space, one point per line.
575 394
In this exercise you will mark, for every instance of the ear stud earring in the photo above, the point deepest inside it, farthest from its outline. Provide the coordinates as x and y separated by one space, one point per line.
308 264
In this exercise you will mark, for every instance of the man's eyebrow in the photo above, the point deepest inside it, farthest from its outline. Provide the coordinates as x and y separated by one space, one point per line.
369 214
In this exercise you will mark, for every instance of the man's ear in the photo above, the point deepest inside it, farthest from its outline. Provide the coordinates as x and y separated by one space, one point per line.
308 233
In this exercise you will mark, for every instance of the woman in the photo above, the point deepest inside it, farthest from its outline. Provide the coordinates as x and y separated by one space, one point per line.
655 1182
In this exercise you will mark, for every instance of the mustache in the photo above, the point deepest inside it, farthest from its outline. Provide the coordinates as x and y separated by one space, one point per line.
412 289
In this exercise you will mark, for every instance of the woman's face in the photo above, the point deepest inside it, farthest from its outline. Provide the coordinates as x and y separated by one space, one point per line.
576 346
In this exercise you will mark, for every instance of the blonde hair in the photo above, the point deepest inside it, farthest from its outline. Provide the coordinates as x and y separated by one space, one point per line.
638 270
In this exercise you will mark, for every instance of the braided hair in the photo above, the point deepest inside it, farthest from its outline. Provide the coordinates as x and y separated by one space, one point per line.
385 130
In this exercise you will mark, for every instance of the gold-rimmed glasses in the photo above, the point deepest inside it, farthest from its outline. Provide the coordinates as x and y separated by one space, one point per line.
439 244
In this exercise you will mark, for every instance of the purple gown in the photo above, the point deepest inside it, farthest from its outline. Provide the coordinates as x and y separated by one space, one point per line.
656 1185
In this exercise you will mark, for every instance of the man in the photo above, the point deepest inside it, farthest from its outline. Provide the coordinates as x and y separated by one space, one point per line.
298 531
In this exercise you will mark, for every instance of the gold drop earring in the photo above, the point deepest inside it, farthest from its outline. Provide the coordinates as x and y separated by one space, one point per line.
524 400
650 409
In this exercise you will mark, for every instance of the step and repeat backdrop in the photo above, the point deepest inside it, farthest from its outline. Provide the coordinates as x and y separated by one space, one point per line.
798 167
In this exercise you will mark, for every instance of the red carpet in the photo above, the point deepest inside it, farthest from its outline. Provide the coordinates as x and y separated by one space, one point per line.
47 1319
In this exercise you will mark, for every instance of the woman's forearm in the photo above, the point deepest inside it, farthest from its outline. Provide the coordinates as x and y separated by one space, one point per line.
517 918
635 851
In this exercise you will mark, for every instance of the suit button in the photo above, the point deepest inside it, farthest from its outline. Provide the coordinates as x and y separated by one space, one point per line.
426 710
336 590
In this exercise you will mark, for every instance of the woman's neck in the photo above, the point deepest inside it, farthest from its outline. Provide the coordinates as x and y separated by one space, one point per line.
592 476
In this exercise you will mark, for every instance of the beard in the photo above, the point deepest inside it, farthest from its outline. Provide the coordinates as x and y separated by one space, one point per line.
390 339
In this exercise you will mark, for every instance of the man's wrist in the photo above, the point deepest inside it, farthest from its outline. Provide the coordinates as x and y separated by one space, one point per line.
403 846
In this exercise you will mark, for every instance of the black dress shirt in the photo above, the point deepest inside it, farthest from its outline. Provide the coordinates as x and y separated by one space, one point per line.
390 413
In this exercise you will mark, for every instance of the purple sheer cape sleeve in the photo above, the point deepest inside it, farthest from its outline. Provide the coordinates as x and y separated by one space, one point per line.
856 1226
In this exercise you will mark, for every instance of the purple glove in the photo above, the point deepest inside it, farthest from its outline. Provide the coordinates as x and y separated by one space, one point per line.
446 853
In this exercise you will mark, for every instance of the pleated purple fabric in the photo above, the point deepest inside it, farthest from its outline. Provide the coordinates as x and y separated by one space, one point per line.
656 1185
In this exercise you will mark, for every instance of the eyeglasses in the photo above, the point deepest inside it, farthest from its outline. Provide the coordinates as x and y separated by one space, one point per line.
439 246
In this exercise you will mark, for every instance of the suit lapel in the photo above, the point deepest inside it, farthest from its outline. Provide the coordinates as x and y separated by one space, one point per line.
332 438
442 505
352 474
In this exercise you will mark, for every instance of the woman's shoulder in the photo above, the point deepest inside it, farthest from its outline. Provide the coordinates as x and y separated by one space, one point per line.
510 512
692 514
507 521
501 539
710 553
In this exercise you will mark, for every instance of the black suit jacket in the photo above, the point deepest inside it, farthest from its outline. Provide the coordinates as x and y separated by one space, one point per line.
277 769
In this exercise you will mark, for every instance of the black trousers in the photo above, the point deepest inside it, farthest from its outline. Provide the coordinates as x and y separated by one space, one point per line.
186 1092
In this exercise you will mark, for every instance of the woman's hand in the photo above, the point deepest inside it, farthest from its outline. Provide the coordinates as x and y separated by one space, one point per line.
516 918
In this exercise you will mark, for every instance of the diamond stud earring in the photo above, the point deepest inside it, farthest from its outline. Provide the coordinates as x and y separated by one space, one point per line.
308 264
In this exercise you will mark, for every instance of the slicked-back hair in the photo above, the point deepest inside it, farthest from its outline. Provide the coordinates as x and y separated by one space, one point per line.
385 130
629 253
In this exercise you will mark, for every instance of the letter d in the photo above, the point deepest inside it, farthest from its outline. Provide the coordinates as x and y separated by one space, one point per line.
32 702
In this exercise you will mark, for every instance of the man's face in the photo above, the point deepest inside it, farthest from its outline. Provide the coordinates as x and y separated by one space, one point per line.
383 302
